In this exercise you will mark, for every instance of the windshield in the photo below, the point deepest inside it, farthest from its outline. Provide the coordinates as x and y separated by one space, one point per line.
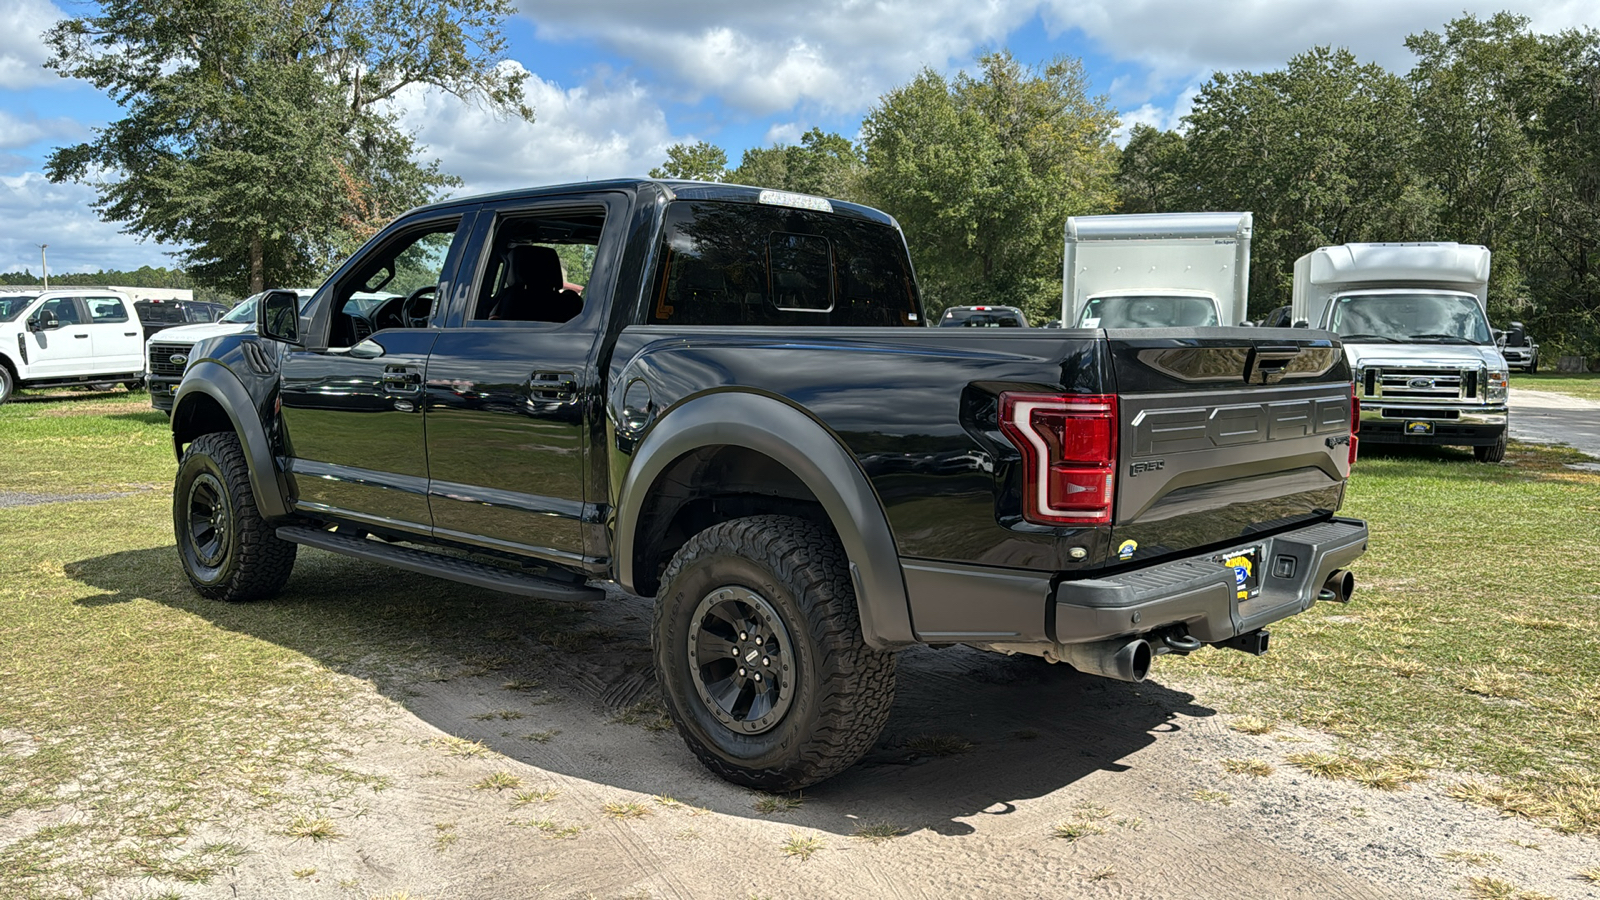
12 305
1149 311
245 311
1407 318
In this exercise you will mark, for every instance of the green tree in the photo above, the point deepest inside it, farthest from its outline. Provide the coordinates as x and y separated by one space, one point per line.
1151 173
261 138
982 173
823 163
1508 136
1320 151
699 161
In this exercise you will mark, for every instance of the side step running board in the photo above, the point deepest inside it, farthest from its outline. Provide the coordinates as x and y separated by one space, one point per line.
453 568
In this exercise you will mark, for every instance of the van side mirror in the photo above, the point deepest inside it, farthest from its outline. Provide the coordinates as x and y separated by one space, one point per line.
278 317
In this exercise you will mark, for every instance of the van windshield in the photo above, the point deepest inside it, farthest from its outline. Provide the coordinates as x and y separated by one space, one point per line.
1149 311
12 305
1425 317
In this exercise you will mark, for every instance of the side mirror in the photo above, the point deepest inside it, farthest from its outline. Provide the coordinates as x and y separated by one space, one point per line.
45 321
278 317
1301 323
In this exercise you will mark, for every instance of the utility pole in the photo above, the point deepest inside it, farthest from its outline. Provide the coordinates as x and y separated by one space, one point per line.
44 263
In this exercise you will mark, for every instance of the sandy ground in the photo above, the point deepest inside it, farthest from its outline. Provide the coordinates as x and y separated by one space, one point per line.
1048 746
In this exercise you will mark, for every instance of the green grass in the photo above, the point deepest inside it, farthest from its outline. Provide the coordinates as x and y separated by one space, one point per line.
1585 385
141 710
1473 641
80 442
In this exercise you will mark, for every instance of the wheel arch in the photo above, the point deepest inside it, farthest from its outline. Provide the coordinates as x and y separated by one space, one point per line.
804 470
212 399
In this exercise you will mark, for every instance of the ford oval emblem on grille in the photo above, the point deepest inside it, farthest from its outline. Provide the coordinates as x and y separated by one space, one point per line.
178 359
1420 384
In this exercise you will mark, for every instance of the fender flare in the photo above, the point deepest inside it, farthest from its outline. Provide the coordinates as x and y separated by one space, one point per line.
216 381
816 457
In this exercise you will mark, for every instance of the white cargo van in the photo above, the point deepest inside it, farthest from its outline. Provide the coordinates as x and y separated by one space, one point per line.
68 337
1156 270
1413 323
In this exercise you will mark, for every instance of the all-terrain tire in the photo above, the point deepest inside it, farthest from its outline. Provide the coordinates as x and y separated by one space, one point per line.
228 551
1492 453
840 690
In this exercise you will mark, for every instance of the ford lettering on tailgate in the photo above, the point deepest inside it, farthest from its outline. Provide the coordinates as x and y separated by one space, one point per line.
1203 427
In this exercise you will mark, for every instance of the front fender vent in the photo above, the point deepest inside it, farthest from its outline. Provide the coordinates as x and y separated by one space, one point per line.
22 348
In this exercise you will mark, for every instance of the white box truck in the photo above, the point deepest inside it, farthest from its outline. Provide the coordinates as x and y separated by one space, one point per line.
1156 270
1412 317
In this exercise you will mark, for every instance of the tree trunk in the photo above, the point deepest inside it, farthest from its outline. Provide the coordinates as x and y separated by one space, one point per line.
258 266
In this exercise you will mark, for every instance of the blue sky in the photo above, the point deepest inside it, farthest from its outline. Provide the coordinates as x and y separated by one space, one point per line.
615 82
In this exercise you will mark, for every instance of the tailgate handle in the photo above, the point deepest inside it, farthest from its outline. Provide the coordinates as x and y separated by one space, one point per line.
1270 363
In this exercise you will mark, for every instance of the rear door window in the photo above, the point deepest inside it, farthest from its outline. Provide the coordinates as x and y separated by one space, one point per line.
106 310
724 263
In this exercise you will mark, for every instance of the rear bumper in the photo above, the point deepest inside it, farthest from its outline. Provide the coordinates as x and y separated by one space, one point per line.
1007 610
1393 424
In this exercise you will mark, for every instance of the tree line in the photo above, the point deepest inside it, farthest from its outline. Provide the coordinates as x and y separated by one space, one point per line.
263 139
1492 137
144 276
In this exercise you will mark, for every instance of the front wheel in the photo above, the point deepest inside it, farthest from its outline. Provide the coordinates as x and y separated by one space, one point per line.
759 653
1492 453
229 552
8 384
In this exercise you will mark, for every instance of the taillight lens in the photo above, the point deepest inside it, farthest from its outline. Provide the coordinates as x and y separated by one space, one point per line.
1069 455
1355 421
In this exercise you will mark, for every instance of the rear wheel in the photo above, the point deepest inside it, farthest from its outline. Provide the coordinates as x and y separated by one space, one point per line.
1492 453
229 552
758 649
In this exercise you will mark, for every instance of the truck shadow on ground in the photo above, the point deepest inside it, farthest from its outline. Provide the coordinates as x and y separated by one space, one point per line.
971 733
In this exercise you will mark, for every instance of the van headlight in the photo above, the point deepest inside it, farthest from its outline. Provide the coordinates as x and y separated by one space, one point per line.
1498 385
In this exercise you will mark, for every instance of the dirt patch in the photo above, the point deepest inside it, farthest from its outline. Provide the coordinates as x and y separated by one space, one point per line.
546 775
23 498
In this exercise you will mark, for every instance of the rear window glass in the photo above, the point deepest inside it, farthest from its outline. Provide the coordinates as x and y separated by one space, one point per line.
747 264
106 309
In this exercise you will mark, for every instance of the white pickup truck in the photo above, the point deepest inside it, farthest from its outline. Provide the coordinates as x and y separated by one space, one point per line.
67 337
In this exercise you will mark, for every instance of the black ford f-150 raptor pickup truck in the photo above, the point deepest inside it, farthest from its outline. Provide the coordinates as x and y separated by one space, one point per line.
742 417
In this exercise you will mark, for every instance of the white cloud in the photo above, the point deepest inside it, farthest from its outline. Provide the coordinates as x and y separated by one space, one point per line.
1176 38
22 49
20 131
38 212
591 132
783 134
1159 117
833 55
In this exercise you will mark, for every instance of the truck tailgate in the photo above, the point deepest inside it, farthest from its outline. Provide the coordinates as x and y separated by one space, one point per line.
1239 432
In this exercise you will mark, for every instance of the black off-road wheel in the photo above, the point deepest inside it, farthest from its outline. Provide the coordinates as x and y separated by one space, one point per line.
1492 453
229 552
758 650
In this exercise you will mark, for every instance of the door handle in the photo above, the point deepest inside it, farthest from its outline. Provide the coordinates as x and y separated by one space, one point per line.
558 387
401 379
81 337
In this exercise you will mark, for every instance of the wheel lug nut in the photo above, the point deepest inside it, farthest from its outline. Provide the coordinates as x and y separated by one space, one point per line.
741 672
758 642
743 636
758 676
765 661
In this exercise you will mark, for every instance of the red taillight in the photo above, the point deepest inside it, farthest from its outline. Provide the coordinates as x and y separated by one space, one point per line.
1355 420
1069 455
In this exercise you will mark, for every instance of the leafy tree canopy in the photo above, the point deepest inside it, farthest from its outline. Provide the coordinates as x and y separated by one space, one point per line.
259 136
982 172
699 161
